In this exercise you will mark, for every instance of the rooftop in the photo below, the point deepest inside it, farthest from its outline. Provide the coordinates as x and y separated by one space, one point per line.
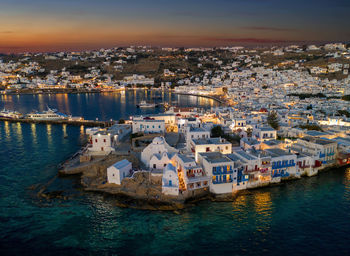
121 164
245 155
210 141
215 157
276 152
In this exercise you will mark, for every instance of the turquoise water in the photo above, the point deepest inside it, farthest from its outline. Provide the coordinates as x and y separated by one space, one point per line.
306 217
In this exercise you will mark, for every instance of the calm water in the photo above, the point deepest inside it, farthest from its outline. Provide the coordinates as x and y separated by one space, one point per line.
306 217
103 106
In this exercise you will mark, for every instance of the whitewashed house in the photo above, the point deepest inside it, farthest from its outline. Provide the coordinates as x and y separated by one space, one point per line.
222 170
195 133
170 181
118 171
148 126
101 143
210 145
264 133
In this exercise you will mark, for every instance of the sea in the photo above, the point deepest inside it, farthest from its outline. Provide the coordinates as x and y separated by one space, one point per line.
310 216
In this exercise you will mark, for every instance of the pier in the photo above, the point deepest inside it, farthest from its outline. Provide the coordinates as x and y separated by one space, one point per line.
89 123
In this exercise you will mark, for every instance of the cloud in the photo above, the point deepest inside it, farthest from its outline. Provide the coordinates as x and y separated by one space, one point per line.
269 29
7 32
246 40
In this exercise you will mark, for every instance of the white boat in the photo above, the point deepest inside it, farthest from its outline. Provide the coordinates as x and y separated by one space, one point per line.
49 114
144 104
10 114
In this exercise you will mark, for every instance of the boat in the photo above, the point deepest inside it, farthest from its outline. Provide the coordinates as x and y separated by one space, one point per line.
49 114
144 104
10 114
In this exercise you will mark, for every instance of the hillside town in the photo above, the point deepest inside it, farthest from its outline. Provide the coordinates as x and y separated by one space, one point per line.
284 113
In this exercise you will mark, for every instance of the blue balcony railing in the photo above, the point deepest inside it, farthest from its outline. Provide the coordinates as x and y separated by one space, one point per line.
222 181
284 165
322 155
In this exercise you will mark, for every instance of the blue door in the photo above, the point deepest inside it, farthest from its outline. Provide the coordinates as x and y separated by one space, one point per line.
170 183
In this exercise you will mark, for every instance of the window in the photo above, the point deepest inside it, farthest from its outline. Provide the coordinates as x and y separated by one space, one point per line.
164 165
154 166
96 140
104 140
170 183
159 126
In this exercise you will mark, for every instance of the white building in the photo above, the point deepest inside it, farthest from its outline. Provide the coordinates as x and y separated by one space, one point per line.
155 152
170 181
148 126
222 170
101 143
210 145
195 133
264 133
191 175
118 171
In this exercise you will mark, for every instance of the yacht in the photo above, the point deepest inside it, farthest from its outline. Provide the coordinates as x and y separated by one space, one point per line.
144 104
10 114
49 114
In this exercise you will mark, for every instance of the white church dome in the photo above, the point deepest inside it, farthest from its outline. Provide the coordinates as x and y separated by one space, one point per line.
158 140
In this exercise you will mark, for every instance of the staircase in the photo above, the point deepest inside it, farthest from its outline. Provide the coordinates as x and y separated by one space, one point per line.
182 185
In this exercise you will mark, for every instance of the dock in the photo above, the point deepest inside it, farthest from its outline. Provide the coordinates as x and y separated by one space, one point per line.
89 123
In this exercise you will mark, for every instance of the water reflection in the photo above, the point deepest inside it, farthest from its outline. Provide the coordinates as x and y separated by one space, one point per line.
49 135
34 136
19 133
7 130
263 208
262 202
82 133
347 184
64 128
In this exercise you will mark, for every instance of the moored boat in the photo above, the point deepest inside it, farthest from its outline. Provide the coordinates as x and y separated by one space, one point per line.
10 114
49 114
144 104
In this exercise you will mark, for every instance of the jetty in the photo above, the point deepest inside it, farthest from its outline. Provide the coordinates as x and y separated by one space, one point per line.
89 123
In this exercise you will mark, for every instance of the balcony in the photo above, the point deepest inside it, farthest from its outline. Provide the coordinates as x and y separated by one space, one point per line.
322 155
222 182
221 172
285 165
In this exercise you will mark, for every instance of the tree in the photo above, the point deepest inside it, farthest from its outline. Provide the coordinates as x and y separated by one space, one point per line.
249 132
272 120
217 131
121 121
346 97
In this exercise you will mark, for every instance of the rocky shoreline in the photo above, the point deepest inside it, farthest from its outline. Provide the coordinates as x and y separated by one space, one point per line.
143 190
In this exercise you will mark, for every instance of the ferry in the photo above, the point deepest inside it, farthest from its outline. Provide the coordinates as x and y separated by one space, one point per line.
49 114
144 104
10 114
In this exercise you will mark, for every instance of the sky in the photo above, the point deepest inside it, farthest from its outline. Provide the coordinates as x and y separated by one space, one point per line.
65 25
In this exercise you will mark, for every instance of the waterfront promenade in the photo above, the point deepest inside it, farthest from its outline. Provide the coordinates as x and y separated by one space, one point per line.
89 123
